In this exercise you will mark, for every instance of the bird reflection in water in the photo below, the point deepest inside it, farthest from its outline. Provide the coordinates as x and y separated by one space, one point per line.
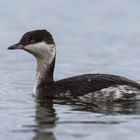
45 120
132 107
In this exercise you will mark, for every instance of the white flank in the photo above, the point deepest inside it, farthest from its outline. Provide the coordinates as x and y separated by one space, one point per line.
120 92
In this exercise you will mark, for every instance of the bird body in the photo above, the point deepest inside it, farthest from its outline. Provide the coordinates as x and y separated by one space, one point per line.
87 87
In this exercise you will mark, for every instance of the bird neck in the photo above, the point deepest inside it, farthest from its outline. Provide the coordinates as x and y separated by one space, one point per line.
44 74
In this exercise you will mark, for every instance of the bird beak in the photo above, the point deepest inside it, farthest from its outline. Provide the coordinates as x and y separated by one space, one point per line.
16 46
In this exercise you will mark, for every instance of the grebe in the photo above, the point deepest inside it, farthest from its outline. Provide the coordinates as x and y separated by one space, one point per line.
87 87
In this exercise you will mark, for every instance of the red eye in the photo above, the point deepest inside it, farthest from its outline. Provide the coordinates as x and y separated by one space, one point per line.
32 41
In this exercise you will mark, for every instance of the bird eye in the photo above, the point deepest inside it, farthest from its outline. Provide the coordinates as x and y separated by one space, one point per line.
32 41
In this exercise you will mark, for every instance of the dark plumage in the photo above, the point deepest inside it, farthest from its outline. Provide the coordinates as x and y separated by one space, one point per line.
83 84
37 36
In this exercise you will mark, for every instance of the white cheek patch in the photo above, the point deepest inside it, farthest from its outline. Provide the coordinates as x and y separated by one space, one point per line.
41 50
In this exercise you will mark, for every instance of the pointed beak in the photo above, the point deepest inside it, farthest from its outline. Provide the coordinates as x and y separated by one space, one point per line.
16 46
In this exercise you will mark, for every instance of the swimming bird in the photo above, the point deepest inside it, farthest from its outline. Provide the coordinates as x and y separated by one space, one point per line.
86 87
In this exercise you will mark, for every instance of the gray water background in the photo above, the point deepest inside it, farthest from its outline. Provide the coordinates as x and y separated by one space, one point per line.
92 36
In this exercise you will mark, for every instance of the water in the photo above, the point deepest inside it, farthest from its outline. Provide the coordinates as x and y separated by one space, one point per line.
91 36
